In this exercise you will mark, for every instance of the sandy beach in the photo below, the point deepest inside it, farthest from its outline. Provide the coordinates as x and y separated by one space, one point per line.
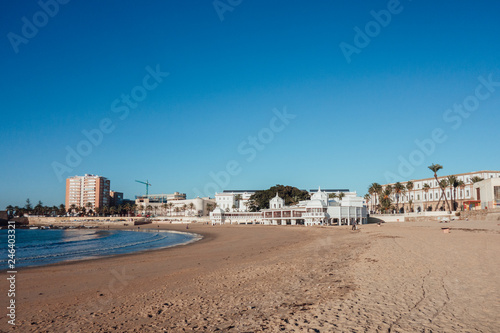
400 277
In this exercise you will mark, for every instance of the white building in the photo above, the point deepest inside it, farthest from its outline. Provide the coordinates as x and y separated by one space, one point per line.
487 193
233 200
426 193
159 205
319 210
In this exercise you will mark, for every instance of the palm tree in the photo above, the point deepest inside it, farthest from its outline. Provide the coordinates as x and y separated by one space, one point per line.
426 189
476 179
376 189
164 206
341 195
191 206
385 198
177 210
443 183
435 168
38 210
19 211
398 189
61 210
148 209
367 198
184 208
72 208
453 183
237 199
170 205
89 206
461 184
127 208
409 187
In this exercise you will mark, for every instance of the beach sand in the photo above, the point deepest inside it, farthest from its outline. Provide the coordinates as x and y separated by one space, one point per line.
400 277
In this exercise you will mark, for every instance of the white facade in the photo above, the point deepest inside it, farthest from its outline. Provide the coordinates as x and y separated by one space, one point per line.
319 210
162 207
233 201
488 193
423 199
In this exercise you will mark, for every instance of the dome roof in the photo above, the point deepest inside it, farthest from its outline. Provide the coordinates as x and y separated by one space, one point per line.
316 204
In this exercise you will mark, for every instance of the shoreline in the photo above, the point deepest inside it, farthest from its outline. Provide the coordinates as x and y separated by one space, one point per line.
196 238
272 278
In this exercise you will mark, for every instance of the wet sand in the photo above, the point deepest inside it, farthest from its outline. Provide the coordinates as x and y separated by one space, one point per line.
400 277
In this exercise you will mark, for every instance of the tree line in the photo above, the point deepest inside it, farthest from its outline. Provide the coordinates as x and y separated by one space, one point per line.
88 209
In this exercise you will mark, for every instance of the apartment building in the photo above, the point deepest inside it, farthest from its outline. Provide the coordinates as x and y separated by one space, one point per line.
81 190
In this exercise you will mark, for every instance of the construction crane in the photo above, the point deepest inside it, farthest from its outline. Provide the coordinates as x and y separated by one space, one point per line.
147 185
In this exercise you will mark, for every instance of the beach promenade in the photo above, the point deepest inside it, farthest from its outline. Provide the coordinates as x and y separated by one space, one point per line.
400 277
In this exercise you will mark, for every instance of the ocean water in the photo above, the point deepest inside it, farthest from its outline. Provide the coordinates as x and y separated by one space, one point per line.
41 247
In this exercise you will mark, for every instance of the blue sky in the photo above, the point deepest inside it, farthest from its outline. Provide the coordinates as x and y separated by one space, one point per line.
349 123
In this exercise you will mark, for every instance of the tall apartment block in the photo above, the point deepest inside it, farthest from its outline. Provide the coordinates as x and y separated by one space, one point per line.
81 190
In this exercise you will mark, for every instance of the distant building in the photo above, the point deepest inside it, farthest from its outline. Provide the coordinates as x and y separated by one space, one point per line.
160 198
116 198
172 205
234 200
128 201
81 190
426 198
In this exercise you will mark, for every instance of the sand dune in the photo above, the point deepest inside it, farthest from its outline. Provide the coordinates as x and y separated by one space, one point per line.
396 278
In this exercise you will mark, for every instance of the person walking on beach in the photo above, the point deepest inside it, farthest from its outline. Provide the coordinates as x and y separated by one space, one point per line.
355 225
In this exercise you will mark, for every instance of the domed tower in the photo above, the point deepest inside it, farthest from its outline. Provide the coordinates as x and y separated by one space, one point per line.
320 195
276 202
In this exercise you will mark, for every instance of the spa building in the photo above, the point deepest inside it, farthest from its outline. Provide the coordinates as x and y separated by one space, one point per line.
319 210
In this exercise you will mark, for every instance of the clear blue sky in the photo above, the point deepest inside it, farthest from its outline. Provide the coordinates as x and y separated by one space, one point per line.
353 121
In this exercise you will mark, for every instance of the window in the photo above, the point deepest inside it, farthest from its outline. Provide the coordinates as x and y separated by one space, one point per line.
467 193
430 196
418 196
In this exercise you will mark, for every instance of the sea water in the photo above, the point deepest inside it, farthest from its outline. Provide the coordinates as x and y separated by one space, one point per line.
41 247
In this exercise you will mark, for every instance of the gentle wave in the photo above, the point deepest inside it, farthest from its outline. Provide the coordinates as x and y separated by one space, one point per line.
42 247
